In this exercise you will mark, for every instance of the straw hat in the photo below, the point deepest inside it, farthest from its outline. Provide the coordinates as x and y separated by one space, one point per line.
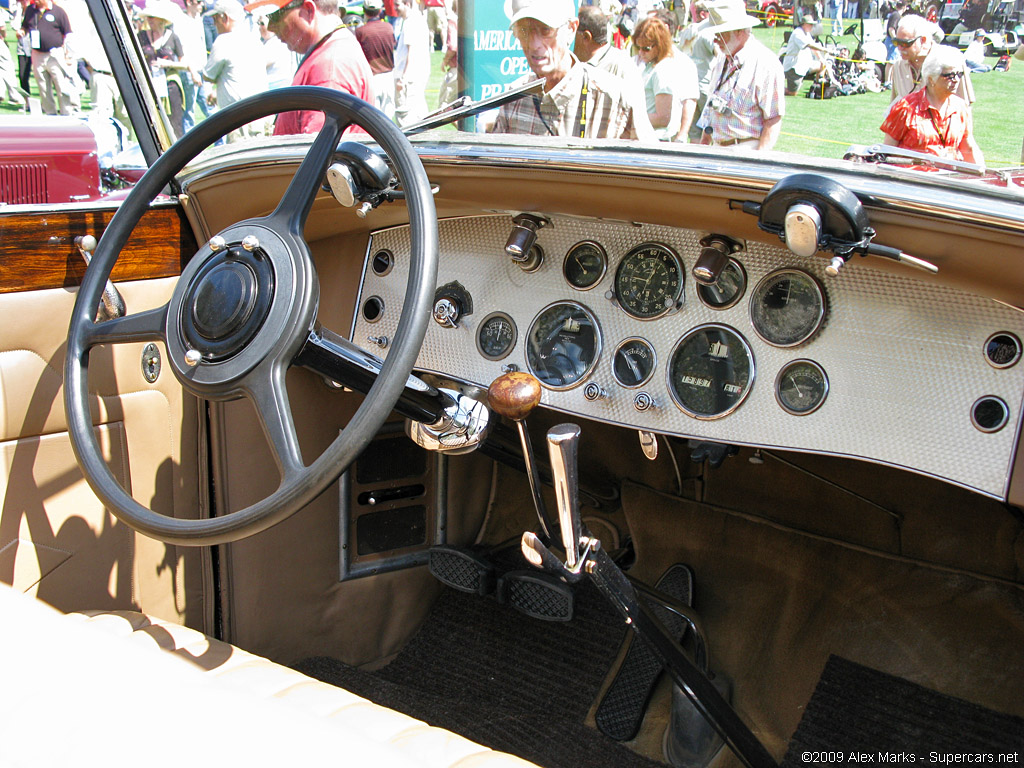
730 15
161 9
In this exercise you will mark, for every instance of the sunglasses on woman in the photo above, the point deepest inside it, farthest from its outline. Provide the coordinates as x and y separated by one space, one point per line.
952 75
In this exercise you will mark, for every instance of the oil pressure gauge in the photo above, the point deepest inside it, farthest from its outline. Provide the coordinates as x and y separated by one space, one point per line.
801 387
585 265
496 336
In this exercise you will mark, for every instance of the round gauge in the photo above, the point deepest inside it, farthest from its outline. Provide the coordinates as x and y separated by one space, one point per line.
633 362
711 371
727 290
496 336
584 265
563 345
787 307
649 281
801 387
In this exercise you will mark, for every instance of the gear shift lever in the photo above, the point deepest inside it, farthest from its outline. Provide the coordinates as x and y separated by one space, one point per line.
563 443
514 395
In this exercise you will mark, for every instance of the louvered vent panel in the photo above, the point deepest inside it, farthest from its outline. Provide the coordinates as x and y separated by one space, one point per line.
23 183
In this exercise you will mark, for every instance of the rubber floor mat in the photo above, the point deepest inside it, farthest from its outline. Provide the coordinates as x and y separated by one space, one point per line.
858 710
503 679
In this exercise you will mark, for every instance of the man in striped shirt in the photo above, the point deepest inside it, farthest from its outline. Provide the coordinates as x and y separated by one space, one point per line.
746 84
578 100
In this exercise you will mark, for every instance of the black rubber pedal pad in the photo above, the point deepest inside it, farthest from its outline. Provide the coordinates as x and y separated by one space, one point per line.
537 594
622 710
462 569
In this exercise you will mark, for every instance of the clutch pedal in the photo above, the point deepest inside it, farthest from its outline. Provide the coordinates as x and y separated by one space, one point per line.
462 569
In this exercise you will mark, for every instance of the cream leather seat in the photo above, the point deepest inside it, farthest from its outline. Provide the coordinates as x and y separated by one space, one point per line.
122 688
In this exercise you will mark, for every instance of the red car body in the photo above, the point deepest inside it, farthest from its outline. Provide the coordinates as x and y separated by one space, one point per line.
48 160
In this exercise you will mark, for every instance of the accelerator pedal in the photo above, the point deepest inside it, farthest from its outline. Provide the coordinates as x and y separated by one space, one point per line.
462 569
622 710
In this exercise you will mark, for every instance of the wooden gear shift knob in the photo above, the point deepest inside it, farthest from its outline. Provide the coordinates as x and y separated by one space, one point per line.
514 395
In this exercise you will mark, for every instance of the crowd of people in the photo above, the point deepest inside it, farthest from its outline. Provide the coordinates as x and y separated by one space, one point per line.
711 81
207 54
670 72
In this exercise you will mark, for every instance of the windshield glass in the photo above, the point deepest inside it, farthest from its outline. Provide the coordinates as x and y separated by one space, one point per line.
881 82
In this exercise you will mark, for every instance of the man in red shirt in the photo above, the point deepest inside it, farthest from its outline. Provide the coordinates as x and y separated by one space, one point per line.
377 38
332 57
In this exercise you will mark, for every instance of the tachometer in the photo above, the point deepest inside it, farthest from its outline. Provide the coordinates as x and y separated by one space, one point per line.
563 345
496 336
711 371
787 307
649 281
584 265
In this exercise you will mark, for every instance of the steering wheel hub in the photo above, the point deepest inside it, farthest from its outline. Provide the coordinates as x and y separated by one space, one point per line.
227 302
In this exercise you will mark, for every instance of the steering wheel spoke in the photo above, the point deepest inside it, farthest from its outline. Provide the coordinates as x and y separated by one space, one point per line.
304 186
270 396
149 325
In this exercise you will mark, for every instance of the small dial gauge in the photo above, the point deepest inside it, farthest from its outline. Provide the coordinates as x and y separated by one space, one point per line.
727 290
633 363
496 336
787 307
801 387
584 265
649 281
563 345
711 371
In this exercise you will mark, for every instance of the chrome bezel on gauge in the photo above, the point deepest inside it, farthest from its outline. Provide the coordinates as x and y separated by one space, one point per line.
511 346
1003 421
750 379
598 345
700 288
778 386
756 298
650 373
604 264
678 265
1017 352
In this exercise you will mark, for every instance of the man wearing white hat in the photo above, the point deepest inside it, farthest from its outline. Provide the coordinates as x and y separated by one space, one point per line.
745 100
236 62
579 100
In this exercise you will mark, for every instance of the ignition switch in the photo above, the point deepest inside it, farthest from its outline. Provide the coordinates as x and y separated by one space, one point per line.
452 302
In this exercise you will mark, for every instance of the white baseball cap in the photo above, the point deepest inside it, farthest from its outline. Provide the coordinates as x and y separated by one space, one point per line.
554 13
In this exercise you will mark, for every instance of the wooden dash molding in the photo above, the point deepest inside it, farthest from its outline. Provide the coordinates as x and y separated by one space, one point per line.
37 250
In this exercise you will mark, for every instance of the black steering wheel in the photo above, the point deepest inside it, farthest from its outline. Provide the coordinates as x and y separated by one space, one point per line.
244 308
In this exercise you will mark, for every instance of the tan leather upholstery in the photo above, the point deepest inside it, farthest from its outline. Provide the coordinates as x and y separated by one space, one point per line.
93 689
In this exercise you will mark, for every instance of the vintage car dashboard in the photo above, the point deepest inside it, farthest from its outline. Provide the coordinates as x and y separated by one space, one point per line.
869 364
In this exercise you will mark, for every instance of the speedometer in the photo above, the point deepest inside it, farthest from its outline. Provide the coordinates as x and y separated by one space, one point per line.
711 371
563 345
649 281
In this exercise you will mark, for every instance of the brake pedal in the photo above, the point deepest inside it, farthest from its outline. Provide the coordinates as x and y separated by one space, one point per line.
462 569
622 710
537 594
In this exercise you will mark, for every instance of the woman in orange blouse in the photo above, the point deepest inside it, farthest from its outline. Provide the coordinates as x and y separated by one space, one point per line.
934 119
